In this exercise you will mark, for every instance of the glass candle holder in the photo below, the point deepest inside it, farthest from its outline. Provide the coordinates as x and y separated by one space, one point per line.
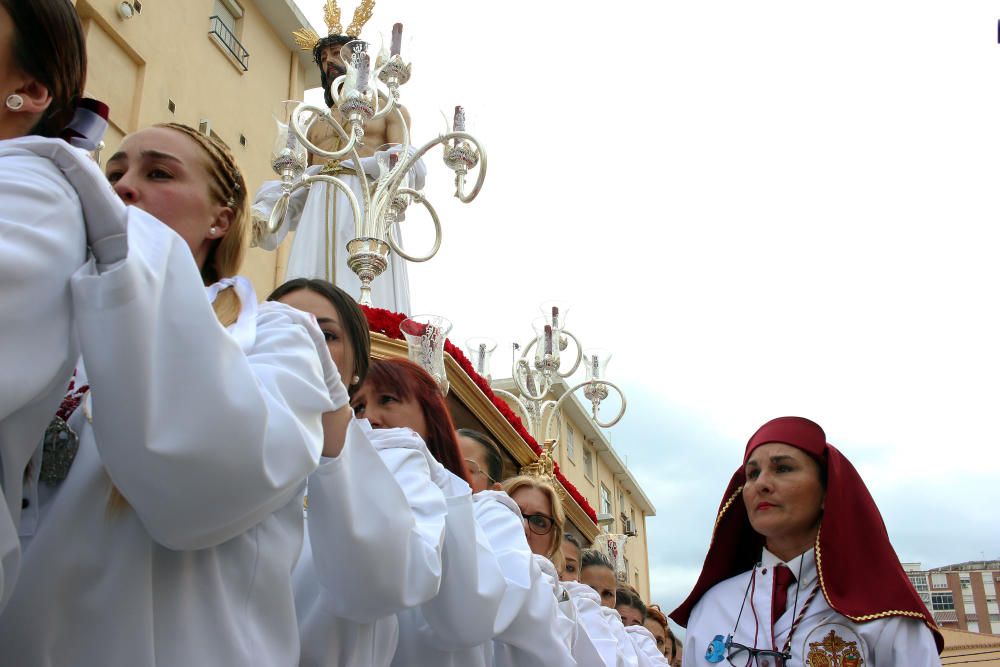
480 350
425 336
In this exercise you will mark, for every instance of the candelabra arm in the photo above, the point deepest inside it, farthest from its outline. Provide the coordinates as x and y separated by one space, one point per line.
558 406
579 355
382 111
444 139
518 403
319 112
544 389
343 187
419 199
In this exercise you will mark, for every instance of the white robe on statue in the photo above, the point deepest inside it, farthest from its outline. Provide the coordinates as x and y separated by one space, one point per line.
209 436
323 223
888 641
374 539
42 243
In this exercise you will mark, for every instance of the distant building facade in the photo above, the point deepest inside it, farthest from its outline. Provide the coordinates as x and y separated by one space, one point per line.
962 596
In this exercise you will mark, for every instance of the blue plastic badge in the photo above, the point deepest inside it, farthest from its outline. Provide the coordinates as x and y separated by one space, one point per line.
716 651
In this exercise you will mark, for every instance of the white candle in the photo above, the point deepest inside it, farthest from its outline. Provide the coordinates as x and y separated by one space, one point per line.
397 38
548 339
459 122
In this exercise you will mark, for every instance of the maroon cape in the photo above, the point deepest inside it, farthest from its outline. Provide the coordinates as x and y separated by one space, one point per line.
859 573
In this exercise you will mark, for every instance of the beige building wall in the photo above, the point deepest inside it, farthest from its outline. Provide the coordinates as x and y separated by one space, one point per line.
165 64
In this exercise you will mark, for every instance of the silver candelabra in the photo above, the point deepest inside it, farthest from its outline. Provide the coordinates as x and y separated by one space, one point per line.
362 95
539 366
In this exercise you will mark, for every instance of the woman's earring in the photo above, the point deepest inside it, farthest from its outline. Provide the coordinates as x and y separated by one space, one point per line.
355 380
211 231
15 102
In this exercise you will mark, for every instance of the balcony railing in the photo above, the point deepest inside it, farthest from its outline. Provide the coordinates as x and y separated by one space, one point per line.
226 37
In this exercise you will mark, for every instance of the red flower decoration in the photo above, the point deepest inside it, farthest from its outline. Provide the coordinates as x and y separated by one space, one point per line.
387 323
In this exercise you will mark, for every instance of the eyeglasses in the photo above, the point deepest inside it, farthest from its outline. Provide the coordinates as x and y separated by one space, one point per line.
474 469
539 524
739 655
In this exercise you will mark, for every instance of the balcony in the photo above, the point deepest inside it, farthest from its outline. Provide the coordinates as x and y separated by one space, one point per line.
225 37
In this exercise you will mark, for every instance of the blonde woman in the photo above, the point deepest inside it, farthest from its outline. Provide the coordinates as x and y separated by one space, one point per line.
172 538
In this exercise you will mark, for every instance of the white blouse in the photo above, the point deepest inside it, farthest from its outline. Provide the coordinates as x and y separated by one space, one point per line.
209 444
822 633
42 243
375 536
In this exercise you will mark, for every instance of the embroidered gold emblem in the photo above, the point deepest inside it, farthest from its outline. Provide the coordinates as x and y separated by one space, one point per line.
834 651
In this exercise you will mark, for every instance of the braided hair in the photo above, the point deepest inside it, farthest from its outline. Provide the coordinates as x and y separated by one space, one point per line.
227 186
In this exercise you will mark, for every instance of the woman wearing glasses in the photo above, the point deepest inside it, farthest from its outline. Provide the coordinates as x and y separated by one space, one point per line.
800 569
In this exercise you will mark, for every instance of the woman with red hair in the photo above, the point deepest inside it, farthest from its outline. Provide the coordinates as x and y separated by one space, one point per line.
800 569
456 626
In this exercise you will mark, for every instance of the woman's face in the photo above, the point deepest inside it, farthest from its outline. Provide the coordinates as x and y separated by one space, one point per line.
384 409
660 635
337 341
535 501
571 557
783 494
602 580
165 173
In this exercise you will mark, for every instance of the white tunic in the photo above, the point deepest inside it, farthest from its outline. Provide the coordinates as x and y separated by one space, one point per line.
323 224
374 541
602 626
823 632
42 243
454 628
528 630
209 444
645 647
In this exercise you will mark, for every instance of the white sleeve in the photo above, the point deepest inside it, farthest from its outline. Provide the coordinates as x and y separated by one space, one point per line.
625 650
592 622
541 635
645 647
265 199
42 242
905 641
203 441
464 611
376 527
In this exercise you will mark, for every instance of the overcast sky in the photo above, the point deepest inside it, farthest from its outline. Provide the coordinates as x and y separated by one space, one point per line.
762 208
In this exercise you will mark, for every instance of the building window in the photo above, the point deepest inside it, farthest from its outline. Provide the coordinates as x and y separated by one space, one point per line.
939 580
570 444
588 463
919 582
224 27
605 500
988 583
942 602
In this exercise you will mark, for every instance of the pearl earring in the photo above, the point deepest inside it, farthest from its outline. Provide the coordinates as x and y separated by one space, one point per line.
15 102
211 231
355 380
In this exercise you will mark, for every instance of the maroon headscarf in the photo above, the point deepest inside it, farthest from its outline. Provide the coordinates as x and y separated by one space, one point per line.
859 573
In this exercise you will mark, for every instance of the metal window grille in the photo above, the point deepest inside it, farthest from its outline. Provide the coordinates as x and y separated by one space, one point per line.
222 32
